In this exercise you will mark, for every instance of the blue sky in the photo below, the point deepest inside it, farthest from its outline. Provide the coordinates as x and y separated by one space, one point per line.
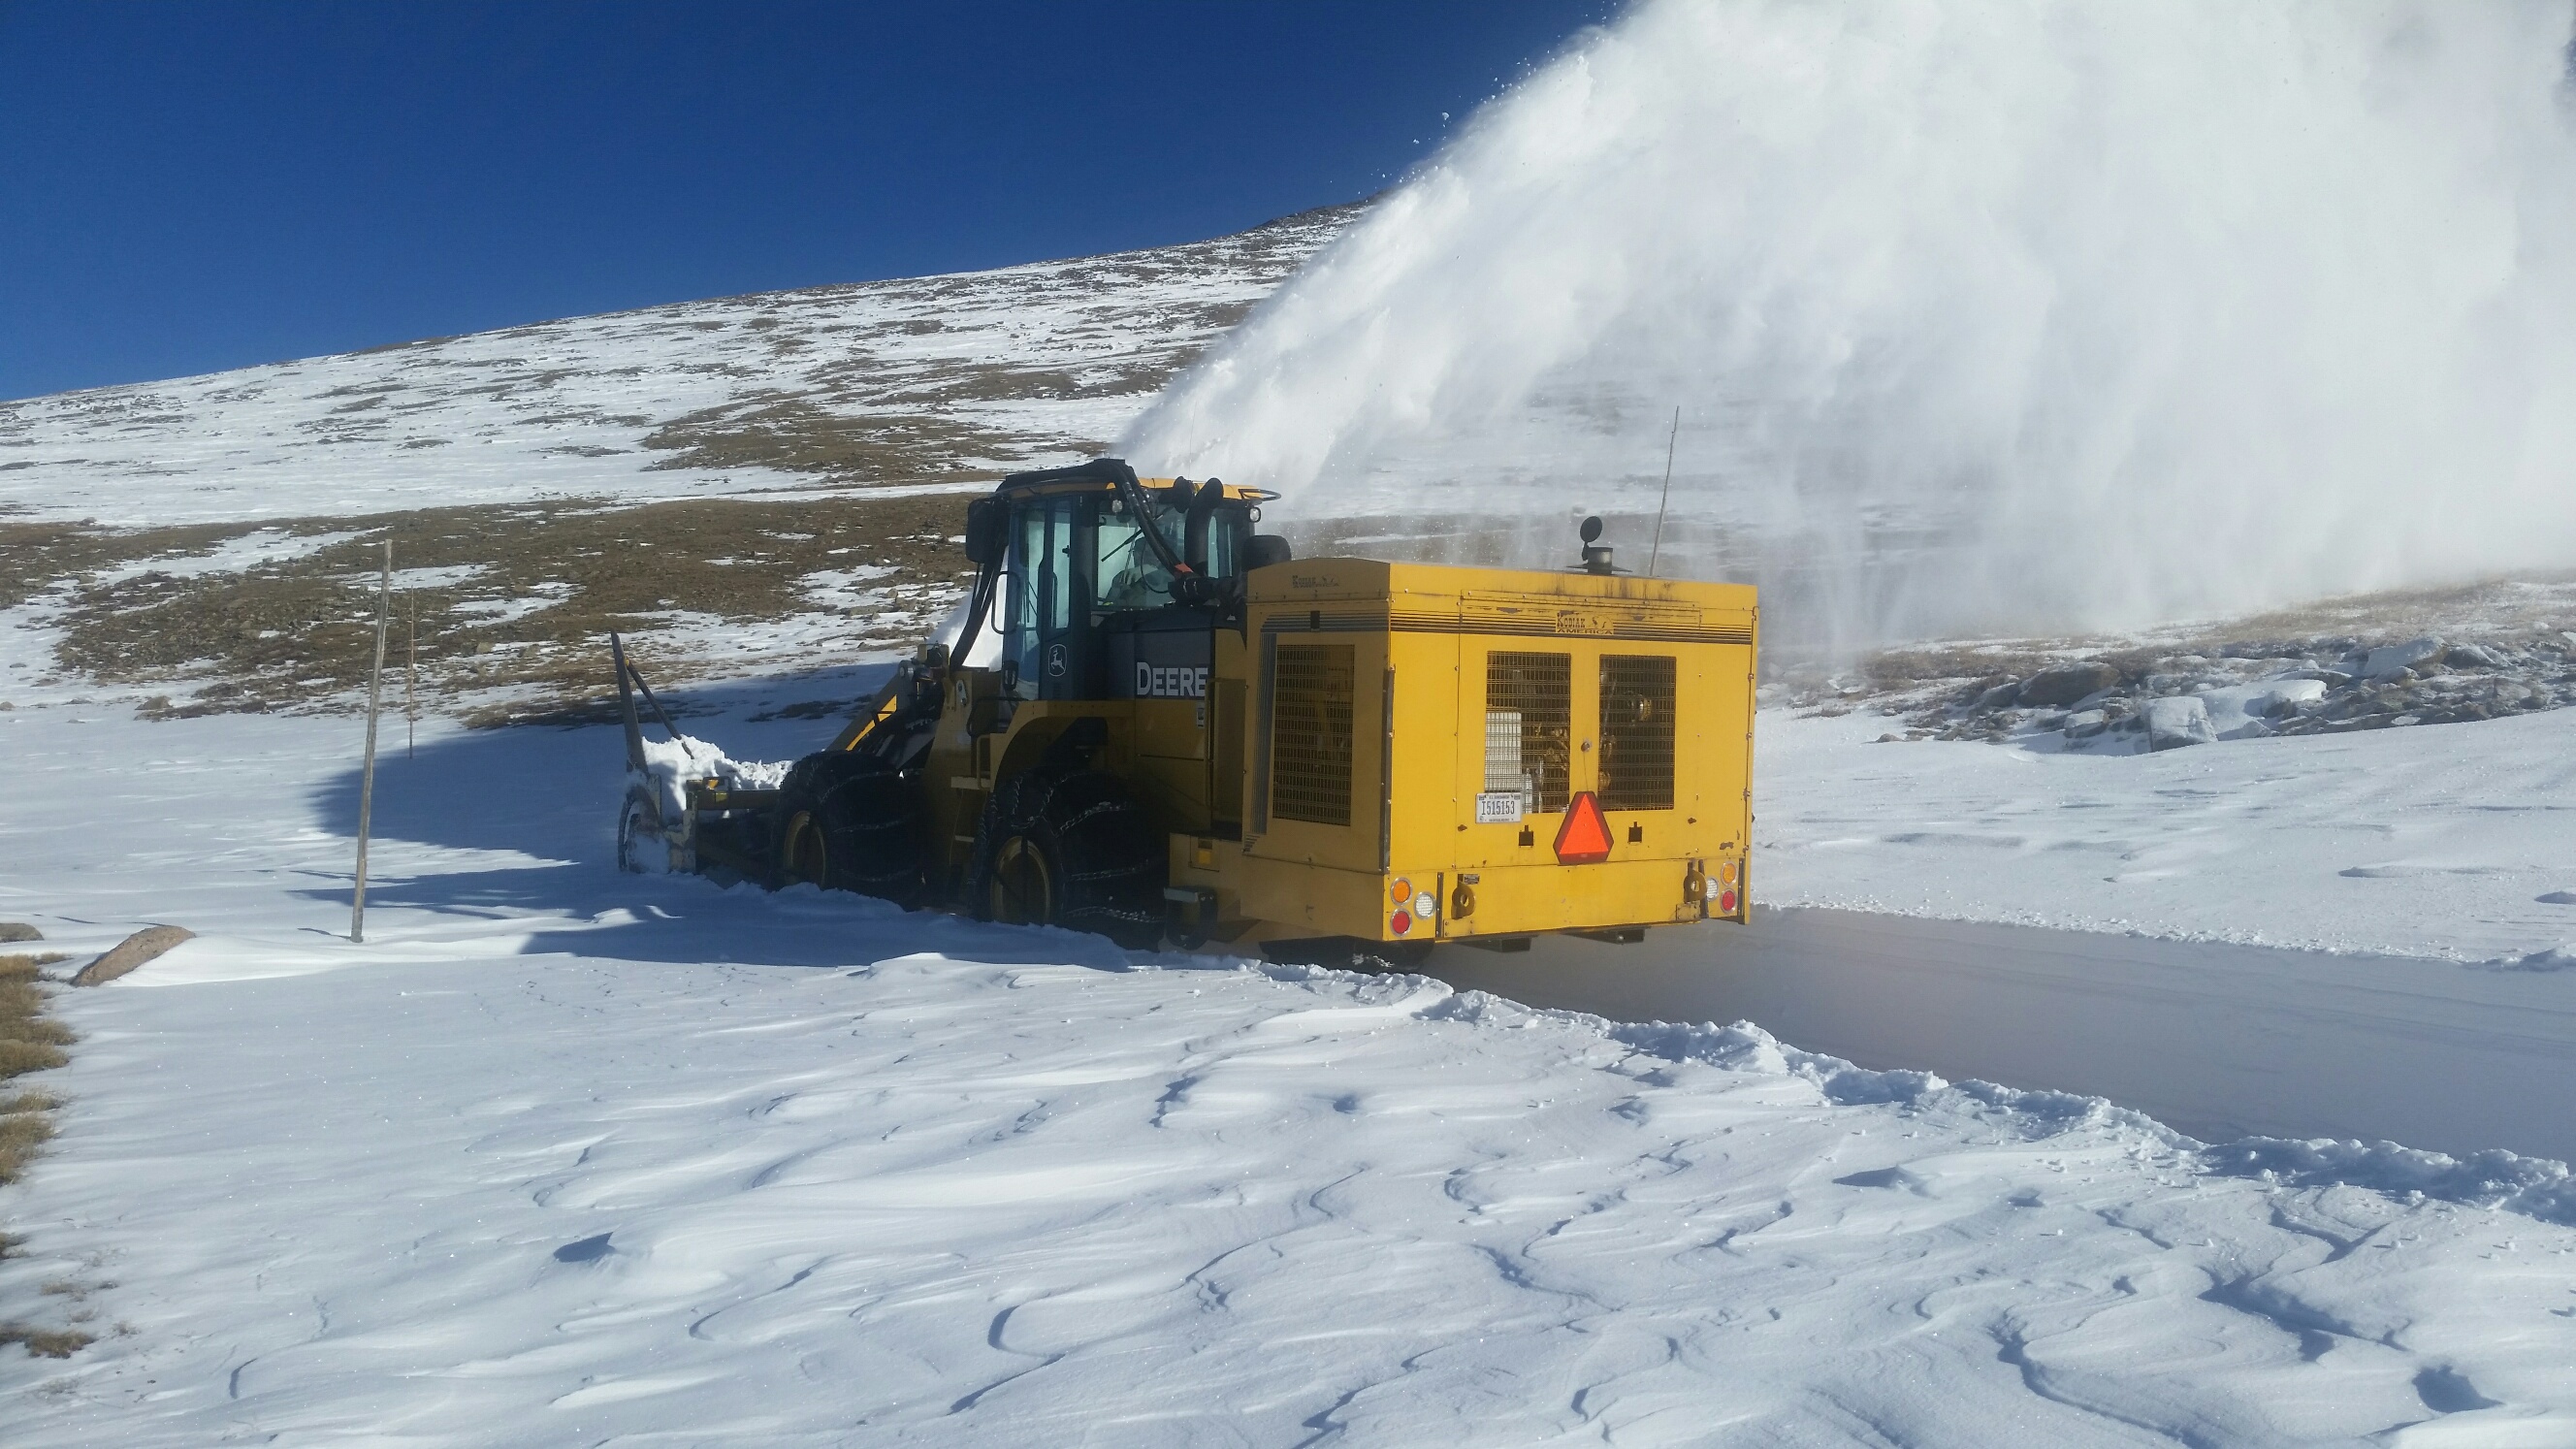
190 187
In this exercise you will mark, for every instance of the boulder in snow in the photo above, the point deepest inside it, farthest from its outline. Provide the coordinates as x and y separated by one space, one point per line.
19 931
144 945
2066 683
2384 663
2238 711
2284 696
2176 721
2472 656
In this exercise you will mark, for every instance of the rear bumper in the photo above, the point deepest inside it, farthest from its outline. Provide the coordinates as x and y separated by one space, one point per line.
1253 899
1528 899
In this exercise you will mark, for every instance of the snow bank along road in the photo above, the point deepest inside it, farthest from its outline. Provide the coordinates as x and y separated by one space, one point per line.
566 1156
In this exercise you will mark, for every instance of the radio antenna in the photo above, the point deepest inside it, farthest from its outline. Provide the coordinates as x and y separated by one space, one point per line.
1657 552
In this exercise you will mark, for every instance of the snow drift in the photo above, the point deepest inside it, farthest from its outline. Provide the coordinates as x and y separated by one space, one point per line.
2025 315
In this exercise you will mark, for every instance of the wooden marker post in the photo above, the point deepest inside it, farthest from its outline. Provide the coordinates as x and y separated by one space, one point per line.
411 675
367 775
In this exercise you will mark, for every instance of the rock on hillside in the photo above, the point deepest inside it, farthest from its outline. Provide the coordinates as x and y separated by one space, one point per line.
2504 649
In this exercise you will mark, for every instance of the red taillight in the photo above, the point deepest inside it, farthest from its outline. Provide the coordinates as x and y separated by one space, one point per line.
1584 838
1726 902
1400 923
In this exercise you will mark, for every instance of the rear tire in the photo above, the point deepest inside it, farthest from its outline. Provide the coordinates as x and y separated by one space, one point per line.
853 823
1072 850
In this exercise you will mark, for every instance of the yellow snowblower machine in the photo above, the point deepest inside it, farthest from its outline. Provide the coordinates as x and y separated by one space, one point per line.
1154 724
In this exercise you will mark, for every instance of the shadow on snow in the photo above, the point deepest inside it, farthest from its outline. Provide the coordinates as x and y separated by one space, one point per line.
546 799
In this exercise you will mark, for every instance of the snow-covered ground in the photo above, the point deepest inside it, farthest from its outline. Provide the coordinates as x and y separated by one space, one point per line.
562 1155
2452 841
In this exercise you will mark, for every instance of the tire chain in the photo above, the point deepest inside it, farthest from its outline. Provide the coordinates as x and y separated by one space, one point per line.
1012 811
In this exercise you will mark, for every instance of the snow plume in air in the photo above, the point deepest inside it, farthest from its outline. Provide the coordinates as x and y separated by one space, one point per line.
1980 314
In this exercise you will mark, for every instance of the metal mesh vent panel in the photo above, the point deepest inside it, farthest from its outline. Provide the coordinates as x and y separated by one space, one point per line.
1636 732
1310 734
1529 716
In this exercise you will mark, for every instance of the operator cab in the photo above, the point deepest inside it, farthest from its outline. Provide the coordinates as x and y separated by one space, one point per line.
1102 585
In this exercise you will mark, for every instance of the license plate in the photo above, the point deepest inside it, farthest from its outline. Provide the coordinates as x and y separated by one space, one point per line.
1499 807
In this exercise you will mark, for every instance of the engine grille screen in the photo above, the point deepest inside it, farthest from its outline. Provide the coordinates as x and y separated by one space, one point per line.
1310 734
1636 732
1529 714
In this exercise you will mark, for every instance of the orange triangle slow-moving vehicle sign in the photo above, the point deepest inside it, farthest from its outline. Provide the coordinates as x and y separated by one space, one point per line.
1584 838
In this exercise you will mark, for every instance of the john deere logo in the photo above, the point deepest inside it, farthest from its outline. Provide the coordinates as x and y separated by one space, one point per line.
1055 661
1183 682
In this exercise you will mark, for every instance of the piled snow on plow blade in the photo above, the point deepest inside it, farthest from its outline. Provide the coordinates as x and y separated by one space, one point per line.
672 762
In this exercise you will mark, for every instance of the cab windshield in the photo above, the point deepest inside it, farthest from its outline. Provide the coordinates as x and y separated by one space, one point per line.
1129 575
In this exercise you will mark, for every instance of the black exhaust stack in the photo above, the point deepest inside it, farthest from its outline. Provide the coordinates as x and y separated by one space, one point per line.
1596 556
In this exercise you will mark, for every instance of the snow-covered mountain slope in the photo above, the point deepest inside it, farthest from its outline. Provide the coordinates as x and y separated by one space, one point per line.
566 1156
918 381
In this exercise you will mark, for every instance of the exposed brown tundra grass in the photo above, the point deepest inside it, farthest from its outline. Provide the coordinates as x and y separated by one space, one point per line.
24 1127
45 1342
30 1041
532 592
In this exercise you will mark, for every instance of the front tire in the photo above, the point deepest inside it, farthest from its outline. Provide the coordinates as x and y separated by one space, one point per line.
853 823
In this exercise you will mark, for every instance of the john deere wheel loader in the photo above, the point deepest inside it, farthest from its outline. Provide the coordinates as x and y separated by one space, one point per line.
1154 724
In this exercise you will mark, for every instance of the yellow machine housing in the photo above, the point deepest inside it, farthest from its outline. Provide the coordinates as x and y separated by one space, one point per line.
1417 734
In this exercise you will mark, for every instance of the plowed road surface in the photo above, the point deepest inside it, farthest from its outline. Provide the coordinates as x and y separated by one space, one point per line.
2220 1041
